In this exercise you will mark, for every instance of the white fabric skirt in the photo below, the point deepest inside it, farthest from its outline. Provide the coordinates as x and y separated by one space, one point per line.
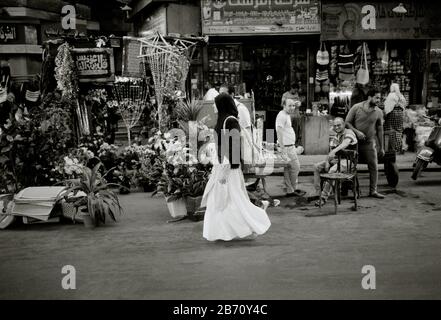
239 218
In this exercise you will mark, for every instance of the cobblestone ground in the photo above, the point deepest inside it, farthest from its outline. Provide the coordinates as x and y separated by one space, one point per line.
144 257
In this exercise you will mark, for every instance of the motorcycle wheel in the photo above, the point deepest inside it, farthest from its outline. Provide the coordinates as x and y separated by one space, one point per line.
419 166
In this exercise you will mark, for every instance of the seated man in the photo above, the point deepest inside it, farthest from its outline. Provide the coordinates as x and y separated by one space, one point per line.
344 139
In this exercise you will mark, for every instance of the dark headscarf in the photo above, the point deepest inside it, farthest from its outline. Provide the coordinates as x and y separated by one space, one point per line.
227 107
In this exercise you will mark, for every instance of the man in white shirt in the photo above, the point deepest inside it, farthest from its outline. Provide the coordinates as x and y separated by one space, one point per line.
287 140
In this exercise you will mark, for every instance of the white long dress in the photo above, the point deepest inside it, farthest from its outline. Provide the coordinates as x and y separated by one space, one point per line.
238 218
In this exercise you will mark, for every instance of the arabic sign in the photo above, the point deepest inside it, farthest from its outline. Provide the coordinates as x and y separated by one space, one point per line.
232 17
94 64
7 32
376 20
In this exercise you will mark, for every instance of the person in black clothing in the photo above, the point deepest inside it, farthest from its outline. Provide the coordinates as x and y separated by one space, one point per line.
358 94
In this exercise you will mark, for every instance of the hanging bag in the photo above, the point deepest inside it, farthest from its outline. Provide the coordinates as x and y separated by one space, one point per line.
322 55
363 72
258 153
346 64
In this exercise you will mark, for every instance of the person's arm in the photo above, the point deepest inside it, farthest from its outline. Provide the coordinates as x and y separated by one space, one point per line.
279 126
380 135
346 142
350 118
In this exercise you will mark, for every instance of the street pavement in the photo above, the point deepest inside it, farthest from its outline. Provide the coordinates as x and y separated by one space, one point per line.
144 257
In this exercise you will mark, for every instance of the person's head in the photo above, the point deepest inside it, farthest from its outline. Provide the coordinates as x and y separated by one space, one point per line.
231 90
223 88
294 88
290 105
338 125
373 97
225 105
394 87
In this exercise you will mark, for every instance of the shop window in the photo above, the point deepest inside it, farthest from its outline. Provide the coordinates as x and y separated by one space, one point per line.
434 78
225 66
387 61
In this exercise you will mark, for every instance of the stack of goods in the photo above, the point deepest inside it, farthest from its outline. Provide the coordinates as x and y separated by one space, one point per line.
404 82
378 68
396 67
224 65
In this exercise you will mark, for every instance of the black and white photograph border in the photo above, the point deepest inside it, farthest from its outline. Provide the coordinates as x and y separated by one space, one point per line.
228 152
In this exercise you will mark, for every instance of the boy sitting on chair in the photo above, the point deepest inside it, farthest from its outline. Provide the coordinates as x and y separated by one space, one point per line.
345 139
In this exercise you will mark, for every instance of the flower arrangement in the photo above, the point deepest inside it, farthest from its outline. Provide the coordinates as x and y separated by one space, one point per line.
65 72
181 175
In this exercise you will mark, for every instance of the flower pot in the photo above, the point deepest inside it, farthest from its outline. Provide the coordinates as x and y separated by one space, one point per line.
177 208
88 221
193 204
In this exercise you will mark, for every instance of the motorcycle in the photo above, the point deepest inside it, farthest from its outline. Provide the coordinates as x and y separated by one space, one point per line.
430 152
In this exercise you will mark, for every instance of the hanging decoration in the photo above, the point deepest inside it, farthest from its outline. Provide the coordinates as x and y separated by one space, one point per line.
65 72
67 82
169 60
132 95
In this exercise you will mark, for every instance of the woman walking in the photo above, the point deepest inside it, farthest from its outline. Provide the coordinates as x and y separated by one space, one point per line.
393 130
229 213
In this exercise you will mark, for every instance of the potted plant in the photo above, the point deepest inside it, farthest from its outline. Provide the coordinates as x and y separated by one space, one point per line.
187 114
171 159
193 189
170 185
98 202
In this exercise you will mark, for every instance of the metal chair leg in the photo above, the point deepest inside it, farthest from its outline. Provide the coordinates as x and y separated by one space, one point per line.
335 197
338 182
354 190
322 182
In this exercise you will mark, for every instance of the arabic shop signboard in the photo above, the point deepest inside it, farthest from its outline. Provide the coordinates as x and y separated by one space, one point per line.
94 64
7 32
376 20
233 17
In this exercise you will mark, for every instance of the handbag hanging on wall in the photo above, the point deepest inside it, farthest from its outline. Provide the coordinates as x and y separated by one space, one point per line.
363 72
322 55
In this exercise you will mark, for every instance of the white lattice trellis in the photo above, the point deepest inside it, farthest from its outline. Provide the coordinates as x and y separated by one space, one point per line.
169 60
132 95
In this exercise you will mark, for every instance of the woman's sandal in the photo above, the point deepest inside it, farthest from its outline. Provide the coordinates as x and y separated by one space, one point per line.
322 200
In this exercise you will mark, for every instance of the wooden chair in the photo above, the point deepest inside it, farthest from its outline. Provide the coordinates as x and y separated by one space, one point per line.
335 179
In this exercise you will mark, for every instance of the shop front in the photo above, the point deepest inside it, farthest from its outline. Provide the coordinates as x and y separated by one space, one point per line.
391 42
261 48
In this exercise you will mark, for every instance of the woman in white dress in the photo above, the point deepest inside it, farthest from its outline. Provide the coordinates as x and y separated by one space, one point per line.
229 213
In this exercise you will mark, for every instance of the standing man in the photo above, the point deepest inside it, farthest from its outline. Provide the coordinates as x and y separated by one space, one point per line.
294 94
287 140
366 120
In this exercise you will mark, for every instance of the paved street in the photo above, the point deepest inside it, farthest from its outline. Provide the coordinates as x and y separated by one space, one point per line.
143 257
